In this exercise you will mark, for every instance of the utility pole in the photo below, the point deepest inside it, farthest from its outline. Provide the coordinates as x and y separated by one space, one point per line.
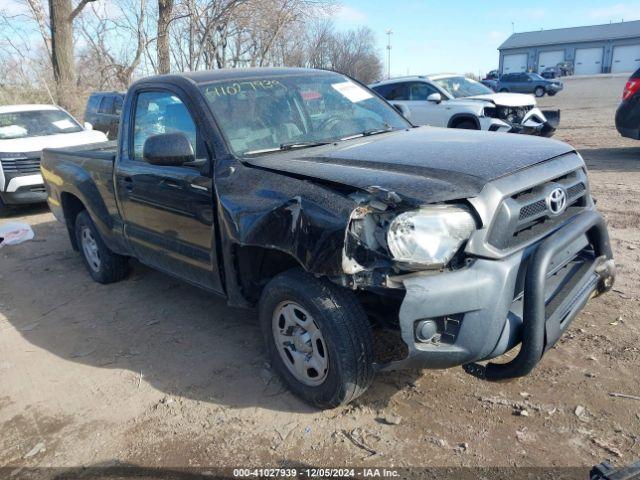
389 33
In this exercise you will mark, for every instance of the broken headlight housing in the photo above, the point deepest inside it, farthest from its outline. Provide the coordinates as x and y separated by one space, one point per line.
429 237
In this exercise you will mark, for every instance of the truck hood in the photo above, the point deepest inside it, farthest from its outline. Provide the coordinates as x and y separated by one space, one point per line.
423 164
507 99
35 144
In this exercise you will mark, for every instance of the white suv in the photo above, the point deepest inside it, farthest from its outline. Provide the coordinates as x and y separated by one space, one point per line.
24 131
455 101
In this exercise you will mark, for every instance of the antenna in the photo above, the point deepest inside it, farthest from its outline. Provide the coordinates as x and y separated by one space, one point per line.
389 32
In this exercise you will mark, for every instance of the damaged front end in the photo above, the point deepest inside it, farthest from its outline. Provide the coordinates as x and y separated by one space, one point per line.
465 301
529 120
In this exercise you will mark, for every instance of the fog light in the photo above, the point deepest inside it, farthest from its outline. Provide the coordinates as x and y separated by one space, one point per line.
426 330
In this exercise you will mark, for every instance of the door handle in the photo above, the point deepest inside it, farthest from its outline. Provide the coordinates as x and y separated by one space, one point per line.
167 182
128 183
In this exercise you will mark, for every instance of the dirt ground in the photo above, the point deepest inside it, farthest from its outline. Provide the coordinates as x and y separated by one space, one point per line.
153 372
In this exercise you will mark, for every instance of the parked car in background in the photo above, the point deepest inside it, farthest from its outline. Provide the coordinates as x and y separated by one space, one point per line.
103 112
564 69
455 101
304 194
492 75
524 82
549 73
24 131
492 84
628 113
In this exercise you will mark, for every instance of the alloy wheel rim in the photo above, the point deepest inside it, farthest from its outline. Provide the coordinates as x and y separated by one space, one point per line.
90 249
300 343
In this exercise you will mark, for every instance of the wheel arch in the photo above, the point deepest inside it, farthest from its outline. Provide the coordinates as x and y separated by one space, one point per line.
71 207
462 117
255 266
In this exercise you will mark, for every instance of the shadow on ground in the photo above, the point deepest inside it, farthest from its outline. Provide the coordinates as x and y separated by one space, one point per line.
180 339
622 159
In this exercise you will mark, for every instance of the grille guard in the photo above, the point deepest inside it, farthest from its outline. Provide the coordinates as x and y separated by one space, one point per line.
537 335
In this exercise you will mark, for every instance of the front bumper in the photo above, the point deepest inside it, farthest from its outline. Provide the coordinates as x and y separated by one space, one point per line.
628 118
20 189
535 122
489 307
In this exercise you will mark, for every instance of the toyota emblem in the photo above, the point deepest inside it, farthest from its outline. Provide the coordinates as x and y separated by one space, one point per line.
557 201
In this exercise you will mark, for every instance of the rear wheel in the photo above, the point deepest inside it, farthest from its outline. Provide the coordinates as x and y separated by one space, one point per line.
539 92
103 265
318 338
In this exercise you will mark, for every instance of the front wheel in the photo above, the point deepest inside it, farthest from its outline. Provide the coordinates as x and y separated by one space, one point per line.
4 209
103 265
539 92
551 94
466 125
318 338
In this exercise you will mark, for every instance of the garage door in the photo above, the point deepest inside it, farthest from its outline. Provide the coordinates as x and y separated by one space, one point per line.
626 58
588 61
514 63
550 59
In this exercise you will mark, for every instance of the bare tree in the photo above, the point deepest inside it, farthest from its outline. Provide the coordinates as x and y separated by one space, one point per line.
61 17
107 58
165 11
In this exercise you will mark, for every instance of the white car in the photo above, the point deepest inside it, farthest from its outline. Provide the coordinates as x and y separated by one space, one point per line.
455 101
24 131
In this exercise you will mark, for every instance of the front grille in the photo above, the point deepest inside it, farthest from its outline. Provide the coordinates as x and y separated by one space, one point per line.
21 165
523 216
533 209
508 114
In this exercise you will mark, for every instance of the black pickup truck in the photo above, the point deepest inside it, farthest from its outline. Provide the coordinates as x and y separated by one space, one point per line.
305 194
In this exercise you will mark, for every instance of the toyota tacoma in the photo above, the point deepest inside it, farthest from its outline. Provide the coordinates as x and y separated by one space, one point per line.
304 194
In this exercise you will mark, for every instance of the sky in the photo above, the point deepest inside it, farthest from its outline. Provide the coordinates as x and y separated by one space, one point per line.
462 36
459 36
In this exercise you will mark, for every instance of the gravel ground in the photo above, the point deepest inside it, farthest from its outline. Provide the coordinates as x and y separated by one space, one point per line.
153 372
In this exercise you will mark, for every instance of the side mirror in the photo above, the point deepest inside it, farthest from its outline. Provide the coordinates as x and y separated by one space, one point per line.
88 126
402 109
168 149
435 98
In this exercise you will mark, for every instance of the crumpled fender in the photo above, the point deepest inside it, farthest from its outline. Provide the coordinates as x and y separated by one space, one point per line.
260 208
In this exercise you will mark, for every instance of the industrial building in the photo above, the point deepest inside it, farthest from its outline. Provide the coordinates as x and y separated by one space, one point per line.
609 48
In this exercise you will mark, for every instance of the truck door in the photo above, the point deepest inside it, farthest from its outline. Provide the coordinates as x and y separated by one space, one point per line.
167 210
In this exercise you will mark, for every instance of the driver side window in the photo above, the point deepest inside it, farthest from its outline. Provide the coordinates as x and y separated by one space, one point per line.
157 113
419 91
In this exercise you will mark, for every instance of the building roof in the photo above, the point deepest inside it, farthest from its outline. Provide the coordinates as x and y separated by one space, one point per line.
609 31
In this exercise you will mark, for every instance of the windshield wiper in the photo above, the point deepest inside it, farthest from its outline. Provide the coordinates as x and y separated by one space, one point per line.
367 133
311 143
290 146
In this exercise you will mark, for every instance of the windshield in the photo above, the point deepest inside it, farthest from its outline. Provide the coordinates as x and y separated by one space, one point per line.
459 87
35 123
296 111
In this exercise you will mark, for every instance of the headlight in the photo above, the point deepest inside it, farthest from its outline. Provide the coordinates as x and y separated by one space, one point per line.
430 236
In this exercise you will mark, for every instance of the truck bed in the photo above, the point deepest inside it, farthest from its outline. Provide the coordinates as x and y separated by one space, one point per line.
98 151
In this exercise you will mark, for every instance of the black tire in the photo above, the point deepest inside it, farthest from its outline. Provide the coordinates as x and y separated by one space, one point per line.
466 125
539 92
111 267
345 330
551 94
504 90
4 209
